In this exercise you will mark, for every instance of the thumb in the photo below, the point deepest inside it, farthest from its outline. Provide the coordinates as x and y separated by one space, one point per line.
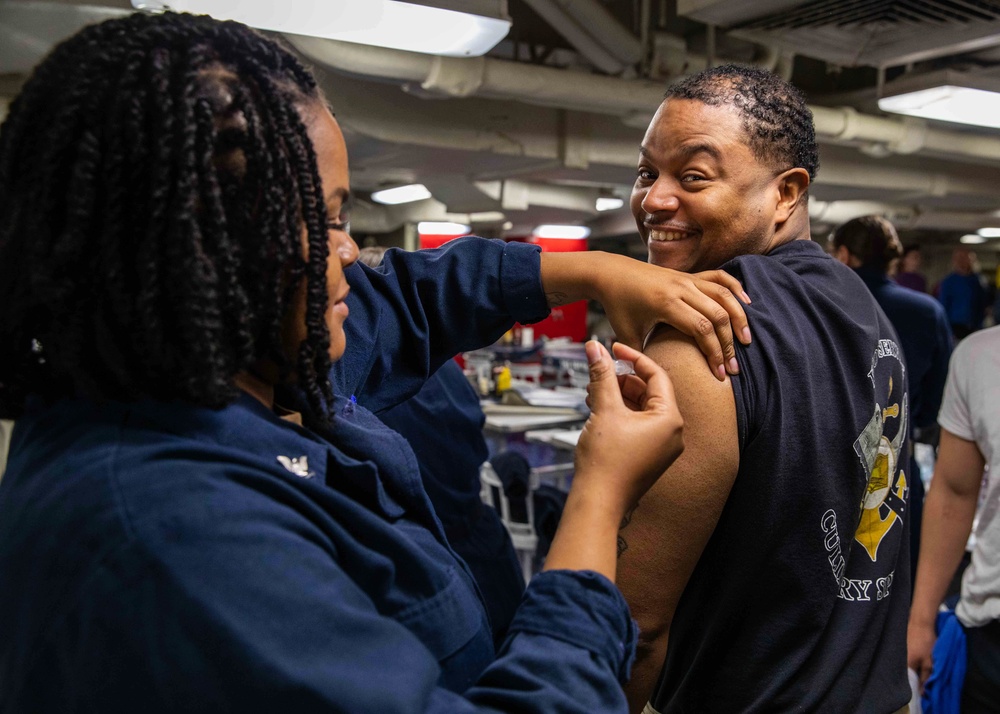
603 388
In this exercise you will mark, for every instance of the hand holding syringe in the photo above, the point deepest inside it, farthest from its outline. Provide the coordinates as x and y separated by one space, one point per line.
632 436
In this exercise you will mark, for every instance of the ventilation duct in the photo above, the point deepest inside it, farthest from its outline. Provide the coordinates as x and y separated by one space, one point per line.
877 33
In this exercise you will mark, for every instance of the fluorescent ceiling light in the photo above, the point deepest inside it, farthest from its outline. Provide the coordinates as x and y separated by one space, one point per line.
383 23
486 217
609 204
557 231
989 232
945 96
971 239
442 228
401 194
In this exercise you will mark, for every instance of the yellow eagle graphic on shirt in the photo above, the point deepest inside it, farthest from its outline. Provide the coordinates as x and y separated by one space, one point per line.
884 499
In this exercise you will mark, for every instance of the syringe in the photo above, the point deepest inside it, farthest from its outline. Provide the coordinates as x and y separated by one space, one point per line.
623 367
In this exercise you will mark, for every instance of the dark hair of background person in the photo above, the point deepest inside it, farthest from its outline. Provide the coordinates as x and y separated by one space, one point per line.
371 255
870 239
912 248
155 177
776 118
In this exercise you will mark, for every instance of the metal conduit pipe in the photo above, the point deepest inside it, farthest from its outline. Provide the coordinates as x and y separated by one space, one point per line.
600 23
566 89
769 58
519 195
468 132
487 77
840 172
592 43
364 60
595 21
902 216
847 124
902 136
837 212
957 143
548 86
950 220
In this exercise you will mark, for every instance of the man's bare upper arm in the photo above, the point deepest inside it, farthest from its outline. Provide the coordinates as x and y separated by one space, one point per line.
669 529
960 465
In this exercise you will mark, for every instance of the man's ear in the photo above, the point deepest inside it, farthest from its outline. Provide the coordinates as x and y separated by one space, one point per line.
792 186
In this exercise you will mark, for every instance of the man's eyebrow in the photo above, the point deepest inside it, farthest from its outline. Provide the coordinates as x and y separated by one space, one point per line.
689 150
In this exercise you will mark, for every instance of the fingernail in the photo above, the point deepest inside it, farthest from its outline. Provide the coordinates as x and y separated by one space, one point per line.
746 298
733 367
593 352
746 335
720 371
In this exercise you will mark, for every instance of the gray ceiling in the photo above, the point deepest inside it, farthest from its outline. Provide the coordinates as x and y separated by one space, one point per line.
552 117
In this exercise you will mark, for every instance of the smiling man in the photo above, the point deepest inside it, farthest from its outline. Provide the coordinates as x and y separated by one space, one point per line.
773 553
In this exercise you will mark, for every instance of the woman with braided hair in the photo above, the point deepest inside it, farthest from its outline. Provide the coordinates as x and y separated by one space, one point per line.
200 511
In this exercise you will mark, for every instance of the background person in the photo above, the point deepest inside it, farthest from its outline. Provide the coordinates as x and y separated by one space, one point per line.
970 441
962 294
870 246
909 275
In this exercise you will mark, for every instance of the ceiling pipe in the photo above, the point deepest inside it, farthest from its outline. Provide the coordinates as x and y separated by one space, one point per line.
629 99
902 136
382 114
469 135
841 171
593 31
837 212
519 195
487 77
902 216
827 215
610 55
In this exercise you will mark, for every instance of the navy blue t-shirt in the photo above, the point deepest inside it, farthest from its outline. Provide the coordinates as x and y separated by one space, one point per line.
924 335
800 599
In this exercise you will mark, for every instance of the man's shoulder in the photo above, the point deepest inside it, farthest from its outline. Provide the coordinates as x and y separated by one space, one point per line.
797 258
982 344
915 301
952 279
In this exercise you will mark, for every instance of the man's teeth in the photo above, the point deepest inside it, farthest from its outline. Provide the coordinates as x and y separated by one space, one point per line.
665 235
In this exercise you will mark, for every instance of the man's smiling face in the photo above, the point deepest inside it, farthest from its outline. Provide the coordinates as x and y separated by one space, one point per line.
701 197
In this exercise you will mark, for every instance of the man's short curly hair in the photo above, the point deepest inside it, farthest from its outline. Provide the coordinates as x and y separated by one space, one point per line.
776 119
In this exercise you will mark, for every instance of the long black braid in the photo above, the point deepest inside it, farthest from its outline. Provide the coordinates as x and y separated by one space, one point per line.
155 177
